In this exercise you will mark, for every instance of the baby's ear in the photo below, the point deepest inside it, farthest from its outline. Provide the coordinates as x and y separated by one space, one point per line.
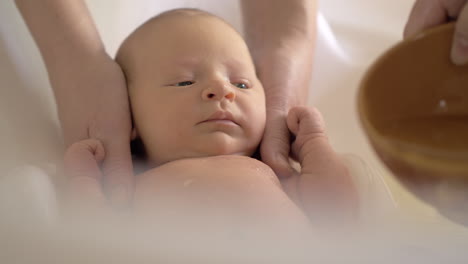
134 133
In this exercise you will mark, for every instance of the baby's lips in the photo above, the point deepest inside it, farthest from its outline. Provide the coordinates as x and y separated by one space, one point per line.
221 115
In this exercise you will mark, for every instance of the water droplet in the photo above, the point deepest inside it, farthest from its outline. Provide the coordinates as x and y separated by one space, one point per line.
188 182
442 106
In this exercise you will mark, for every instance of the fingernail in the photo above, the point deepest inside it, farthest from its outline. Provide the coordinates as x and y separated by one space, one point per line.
460 51
119 197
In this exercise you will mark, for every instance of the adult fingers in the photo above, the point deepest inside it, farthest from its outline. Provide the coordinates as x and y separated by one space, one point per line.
292 121
459 54
425 14
275 146
118 173
429 13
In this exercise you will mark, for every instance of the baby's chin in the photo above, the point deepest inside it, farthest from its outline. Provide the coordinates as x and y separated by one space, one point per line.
220 151
204 150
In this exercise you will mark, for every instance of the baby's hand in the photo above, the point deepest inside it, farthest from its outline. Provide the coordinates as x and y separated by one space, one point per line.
82 159
82 168
325 188
306 123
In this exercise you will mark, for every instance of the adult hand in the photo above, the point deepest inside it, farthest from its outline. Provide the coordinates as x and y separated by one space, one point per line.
276 145
448 197
281 37
429 13
96 107
89 86
283 91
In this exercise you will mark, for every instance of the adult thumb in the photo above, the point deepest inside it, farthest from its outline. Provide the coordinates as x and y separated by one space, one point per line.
459 54
275 150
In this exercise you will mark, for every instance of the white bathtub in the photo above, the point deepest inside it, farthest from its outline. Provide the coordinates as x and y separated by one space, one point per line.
352 33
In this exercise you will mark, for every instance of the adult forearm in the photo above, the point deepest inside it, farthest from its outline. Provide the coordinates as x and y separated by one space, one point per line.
63 30
281 35
278 24
81 73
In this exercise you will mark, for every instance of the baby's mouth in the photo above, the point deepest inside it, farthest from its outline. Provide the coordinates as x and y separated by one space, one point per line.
221 117
221 121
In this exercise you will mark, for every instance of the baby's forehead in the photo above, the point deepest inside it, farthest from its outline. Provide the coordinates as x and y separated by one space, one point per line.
181 25
183 12
180 31
186 17
175 23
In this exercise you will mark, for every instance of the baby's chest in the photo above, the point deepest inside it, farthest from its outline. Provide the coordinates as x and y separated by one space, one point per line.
213 172
219 192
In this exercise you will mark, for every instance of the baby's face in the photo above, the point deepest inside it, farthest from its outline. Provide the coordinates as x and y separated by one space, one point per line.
194 90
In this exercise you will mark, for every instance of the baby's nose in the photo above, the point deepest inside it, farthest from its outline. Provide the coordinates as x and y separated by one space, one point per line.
219 90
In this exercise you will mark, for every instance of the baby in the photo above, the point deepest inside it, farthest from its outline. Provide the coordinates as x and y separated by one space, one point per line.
199 110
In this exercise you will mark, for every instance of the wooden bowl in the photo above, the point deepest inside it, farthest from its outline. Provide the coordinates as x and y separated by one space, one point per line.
413 106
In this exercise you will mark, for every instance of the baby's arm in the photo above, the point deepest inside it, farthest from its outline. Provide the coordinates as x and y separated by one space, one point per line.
325 188
81 167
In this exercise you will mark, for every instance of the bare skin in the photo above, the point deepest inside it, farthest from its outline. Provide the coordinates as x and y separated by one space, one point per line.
182 68
430 13
84 78
231 191
69 42
282 41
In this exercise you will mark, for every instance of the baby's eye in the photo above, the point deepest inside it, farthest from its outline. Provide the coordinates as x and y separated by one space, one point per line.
241 85
185 83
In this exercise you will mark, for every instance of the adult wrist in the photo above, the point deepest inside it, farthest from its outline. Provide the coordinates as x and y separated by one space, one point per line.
285 74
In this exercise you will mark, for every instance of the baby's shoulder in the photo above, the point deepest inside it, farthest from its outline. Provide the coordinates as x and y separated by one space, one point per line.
216 165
